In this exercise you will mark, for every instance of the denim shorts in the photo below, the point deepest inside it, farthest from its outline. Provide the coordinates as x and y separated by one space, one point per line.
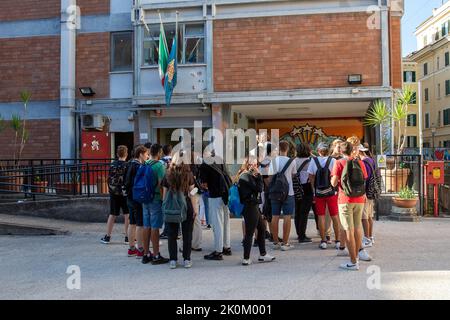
153 216
287 207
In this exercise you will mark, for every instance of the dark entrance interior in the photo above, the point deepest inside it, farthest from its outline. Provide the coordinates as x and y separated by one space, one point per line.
124 138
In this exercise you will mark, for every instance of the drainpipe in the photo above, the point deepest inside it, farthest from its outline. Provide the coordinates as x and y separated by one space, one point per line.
69 24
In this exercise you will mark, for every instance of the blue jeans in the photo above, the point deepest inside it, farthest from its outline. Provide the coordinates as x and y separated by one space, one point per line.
153 216
205 201
288 206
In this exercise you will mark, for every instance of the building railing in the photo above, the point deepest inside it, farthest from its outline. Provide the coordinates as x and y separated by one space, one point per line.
54 177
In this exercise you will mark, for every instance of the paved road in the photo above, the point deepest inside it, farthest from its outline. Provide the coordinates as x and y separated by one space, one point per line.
414 260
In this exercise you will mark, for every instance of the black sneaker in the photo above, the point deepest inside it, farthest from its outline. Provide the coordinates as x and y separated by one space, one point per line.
159 259
214 256
147 259
197 249
126 240
106 239
268 236
226 251
163 236
208 226
304 240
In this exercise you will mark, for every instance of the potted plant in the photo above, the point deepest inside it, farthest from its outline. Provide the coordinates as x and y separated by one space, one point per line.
406 198
396 174
39 185
13 176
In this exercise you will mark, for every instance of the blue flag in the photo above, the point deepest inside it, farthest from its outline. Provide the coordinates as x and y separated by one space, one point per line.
170 80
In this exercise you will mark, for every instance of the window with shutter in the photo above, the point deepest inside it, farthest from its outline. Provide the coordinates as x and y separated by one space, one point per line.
447 59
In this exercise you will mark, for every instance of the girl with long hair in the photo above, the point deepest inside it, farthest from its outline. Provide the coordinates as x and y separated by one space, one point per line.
250 185
179 178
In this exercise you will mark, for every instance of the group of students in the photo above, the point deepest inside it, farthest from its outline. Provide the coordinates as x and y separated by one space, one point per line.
169 191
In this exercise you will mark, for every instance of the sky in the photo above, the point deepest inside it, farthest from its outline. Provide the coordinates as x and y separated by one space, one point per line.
416 11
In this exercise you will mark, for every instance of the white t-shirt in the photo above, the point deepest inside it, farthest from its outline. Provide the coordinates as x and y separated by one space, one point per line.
312 168
304 175
278 164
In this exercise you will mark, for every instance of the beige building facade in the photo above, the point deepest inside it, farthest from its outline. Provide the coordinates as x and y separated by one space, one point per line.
433 71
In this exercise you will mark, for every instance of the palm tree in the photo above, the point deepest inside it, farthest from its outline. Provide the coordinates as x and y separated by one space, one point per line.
400 114
378 115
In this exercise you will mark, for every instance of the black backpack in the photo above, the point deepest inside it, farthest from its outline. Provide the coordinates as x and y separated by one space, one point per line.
298 187
116 177
374 184
352 179
225 181
322 182
279 185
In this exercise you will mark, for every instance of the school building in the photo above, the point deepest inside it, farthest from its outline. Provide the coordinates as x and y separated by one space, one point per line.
310 68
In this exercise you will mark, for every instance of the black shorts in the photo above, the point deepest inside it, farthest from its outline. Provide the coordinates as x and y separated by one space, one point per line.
136 214
118 203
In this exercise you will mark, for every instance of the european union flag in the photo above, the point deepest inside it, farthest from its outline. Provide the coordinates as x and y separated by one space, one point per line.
170 80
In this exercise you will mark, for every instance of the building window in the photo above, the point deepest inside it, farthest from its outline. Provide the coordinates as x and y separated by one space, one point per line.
447 87
427 120
426 95
439 90
426 145
191 43
411 142
122 51
438 63
447 59
425 69
409 76
413 98
447 117
411 120
444 28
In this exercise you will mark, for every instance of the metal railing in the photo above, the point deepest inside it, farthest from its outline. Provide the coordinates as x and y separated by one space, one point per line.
54 177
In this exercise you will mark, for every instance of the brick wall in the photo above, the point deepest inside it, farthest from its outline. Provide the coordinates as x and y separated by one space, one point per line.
93 63
29 9
395 51
31 64
289 52
43 141
91 7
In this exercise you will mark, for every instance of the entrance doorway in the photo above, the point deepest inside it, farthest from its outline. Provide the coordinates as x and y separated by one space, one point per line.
123 138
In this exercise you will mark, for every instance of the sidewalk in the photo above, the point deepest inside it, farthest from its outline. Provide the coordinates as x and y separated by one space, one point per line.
414 260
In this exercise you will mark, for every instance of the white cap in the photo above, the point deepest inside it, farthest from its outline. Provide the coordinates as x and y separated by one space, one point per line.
362 148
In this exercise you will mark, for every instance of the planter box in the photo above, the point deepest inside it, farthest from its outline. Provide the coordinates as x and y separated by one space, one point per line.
395 179
39 187
405 203
68 188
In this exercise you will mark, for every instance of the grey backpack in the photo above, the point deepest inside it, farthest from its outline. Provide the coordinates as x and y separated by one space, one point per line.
174 207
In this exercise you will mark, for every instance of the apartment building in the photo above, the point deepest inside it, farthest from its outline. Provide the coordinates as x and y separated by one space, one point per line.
412 125
433 71
309 68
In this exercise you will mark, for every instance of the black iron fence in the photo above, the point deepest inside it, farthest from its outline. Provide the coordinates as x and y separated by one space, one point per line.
54 177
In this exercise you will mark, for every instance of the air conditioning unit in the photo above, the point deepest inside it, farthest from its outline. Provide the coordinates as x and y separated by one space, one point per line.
93 121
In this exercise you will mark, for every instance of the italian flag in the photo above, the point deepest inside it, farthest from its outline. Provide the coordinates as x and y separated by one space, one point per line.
163 55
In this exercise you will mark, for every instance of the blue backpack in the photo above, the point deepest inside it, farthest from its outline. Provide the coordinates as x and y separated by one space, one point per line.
234 201
144 186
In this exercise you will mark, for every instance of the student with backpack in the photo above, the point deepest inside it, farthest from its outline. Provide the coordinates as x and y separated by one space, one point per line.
165 160
373 190
116 181
140 155
217 182
349 175
281 195
250 186
324 194
303 192
179 207
154 172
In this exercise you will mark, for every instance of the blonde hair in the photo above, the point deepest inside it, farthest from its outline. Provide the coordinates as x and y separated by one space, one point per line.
354 140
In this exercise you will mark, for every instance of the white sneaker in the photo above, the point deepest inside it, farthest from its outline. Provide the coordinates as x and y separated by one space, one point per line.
323 245
286 247
172 264
364 256
246 262
276 246
342 253
350 266
337 245
187 264
266 258
366 243
372 239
